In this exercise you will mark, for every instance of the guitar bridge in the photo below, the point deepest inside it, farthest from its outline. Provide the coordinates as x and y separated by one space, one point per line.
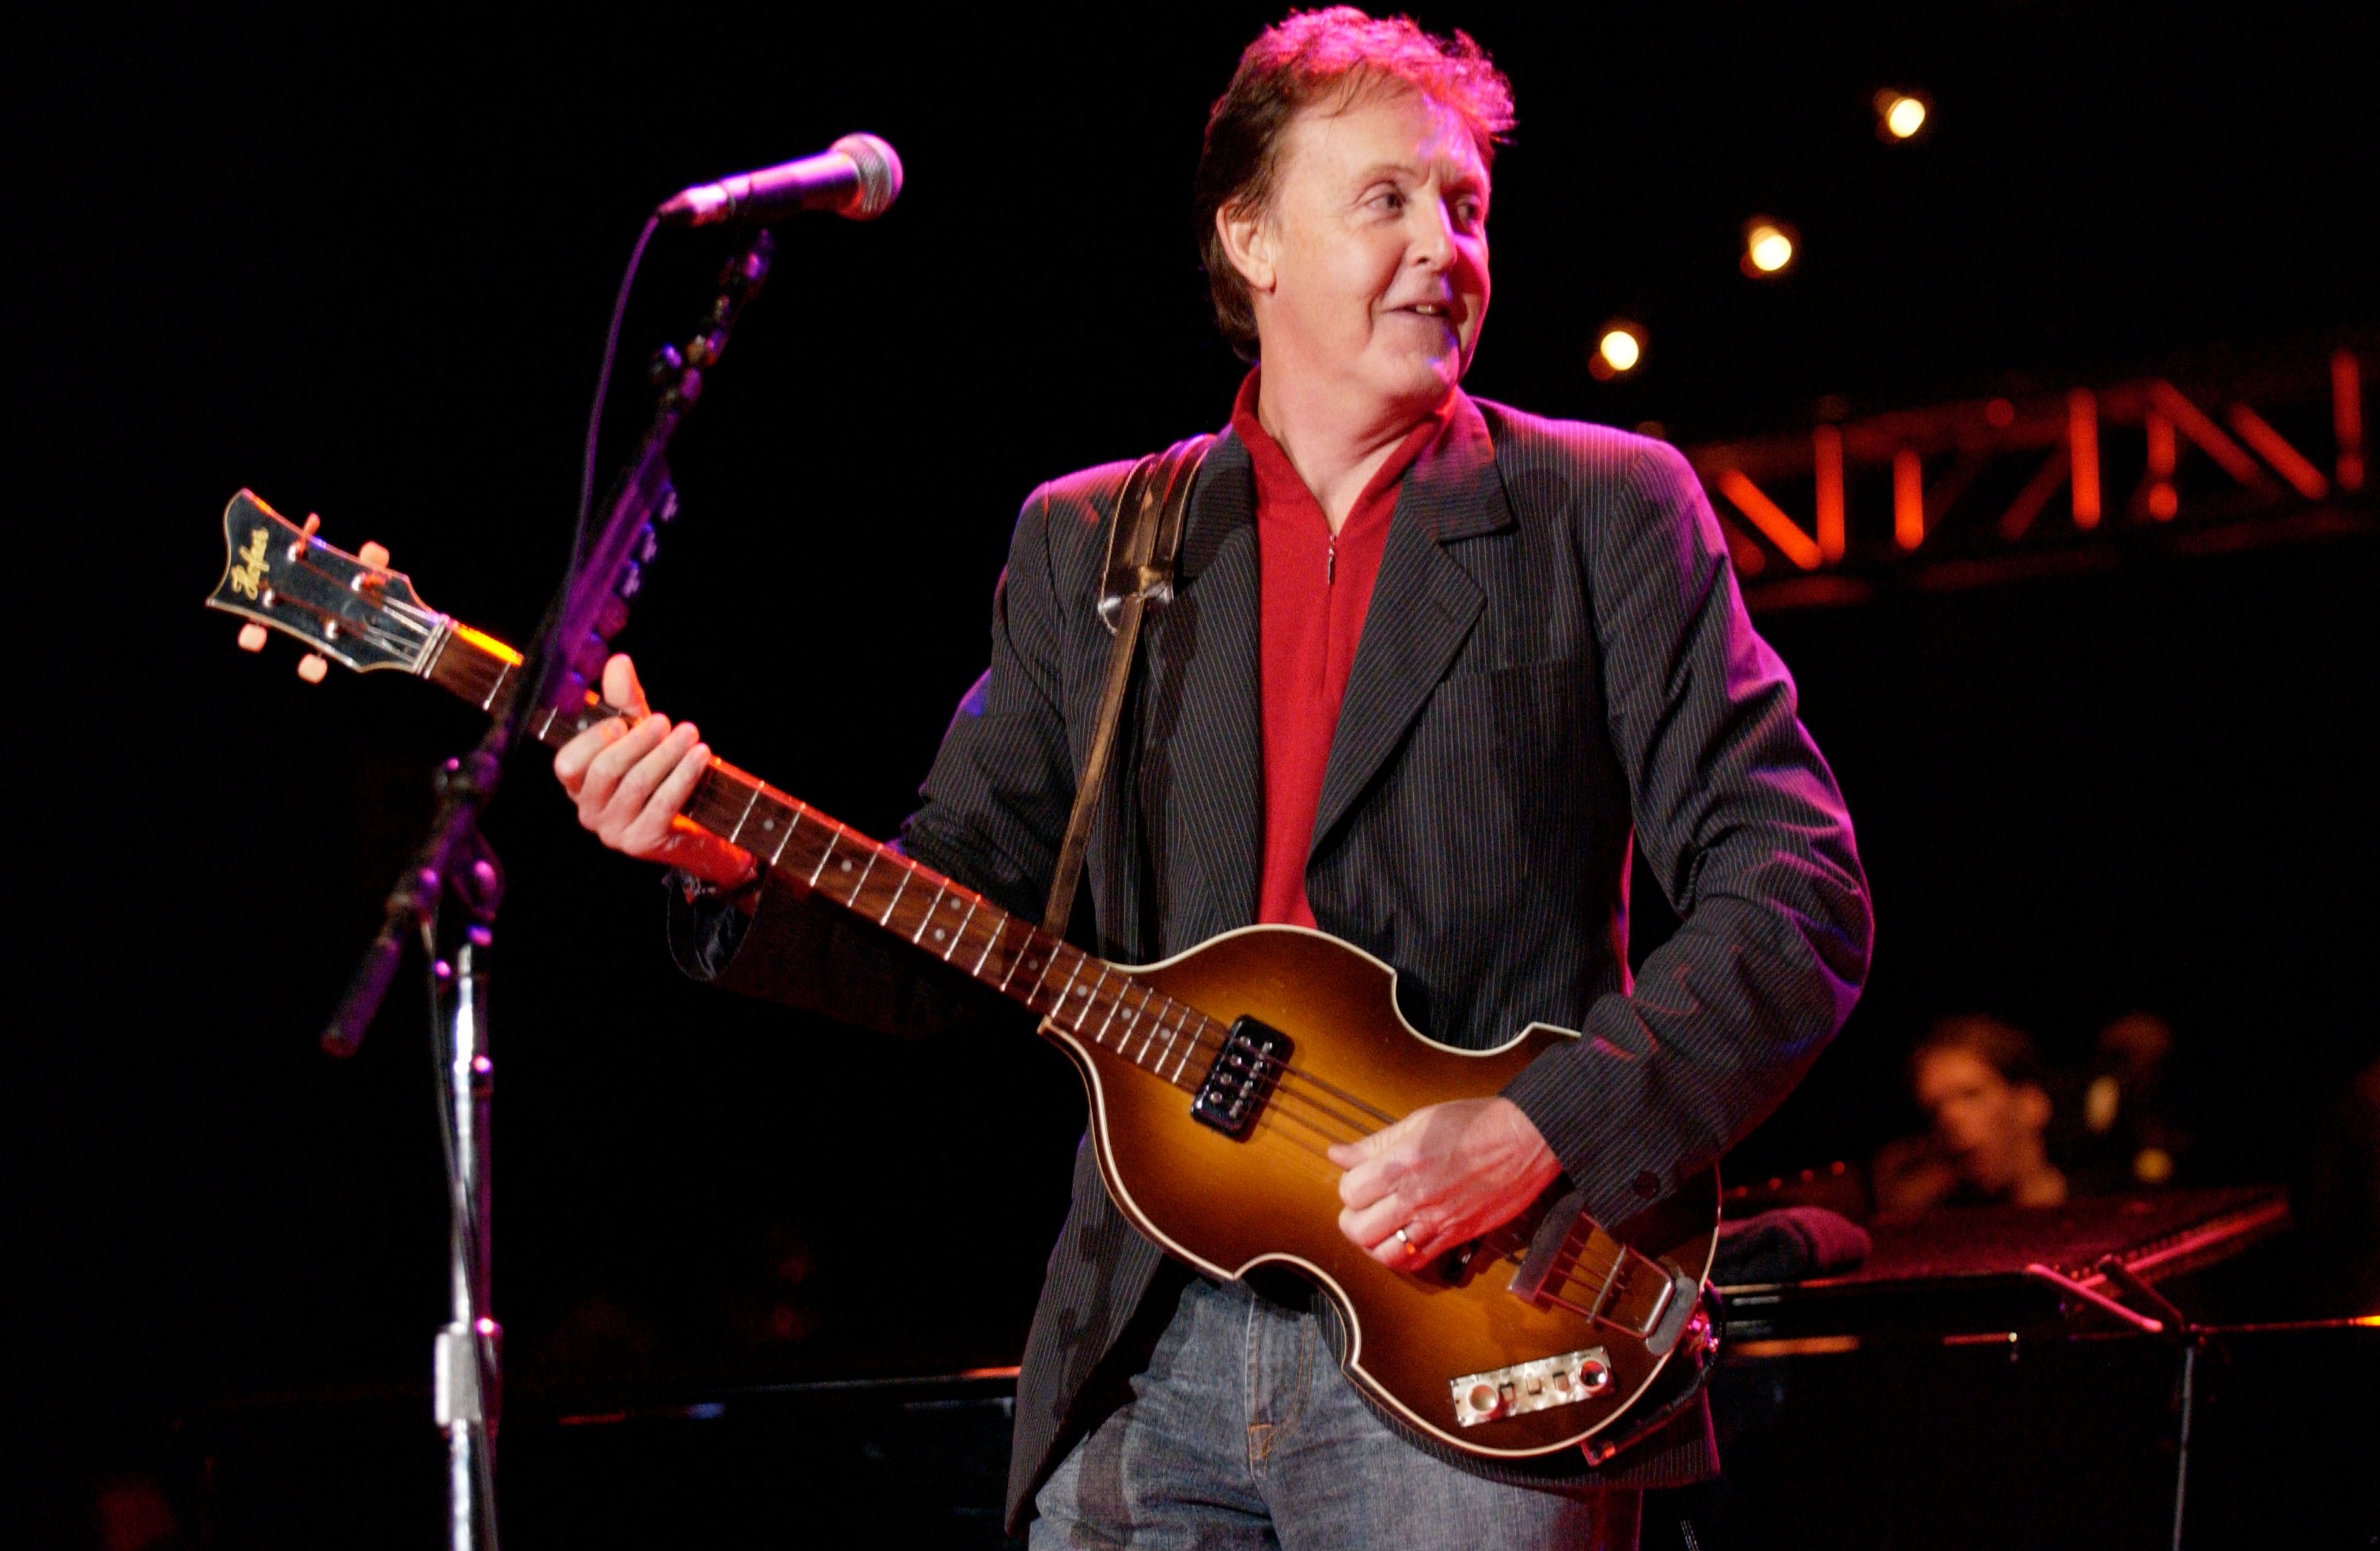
1526 1386
1232 1093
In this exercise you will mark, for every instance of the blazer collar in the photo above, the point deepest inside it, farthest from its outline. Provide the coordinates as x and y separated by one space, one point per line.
1422 607
1204 762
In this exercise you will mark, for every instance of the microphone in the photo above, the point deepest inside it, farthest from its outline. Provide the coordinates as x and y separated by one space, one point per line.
859 177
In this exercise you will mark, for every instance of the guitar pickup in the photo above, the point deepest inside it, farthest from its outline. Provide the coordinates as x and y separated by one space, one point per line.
1243 1073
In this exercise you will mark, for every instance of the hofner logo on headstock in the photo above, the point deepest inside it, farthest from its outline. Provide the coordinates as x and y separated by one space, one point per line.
250 571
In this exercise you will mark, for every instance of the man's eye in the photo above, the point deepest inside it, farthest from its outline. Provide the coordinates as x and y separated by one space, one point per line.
1389 198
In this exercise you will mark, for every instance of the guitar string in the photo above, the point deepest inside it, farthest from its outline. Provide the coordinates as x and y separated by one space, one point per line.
385 608
370 633
1194 1023
1564 1263
1501 1242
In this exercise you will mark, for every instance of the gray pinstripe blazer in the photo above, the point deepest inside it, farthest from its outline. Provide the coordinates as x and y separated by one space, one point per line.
1555 653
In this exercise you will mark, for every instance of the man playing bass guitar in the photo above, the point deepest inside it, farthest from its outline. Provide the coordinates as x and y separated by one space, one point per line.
1431 664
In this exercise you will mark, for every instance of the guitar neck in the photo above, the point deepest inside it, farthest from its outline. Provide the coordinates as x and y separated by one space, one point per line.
798 843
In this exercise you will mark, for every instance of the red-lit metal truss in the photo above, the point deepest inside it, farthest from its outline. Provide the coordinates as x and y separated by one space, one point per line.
1962 495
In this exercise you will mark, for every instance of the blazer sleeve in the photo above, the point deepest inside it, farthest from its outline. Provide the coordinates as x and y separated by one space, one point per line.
992 815
1744 825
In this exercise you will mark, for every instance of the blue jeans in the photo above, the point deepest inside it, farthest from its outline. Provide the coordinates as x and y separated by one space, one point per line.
1242 1431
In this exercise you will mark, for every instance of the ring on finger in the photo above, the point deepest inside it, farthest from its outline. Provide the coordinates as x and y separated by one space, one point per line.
1405 1240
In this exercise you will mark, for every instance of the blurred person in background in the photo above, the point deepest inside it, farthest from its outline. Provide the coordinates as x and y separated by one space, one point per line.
1979 1084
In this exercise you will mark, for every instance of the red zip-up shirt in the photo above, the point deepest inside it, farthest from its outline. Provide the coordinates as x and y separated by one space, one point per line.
1313 591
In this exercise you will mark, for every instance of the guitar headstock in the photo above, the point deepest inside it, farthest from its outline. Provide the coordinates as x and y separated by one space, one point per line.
350 609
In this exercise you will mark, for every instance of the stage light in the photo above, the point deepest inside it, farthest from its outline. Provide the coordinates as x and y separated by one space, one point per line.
1770 248
1619 347
1900 115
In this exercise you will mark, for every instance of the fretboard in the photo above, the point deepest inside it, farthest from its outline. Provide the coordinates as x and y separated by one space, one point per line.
1078 992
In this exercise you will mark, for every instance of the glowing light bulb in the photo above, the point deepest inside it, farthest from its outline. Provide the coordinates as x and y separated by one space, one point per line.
1767 249
1904 117
1619 347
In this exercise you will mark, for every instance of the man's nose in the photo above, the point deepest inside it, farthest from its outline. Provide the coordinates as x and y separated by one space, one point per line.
1433 240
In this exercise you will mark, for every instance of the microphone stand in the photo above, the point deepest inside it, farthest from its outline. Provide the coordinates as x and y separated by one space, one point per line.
456 861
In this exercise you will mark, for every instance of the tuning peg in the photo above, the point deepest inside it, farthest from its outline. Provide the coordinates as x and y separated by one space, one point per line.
251 636
374 555
312 666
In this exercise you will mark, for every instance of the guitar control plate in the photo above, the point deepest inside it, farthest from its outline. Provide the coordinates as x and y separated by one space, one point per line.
1232 1093
1536 1386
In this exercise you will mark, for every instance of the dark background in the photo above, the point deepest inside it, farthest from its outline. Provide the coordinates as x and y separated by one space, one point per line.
361 263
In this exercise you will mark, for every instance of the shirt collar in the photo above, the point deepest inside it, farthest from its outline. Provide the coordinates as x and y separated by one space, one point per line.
1277 478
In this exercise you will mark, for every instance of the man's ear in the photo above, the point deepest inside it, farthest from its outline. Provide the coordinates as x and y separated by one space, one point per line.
1247 239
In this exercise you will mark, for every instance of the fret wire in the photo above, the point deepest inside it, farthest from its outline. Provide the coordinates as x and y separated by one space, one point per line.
1191 1025
1021 960
795 815
997 944
865 874
826 855
1151 1038
842 867
925 878
735 836
958 935
1223 1036
1041 982
1174 1022
1058 1004
918 937
1171 1036
1092 995
1157 1063
885 920
1115 1005
1048 952
999 924
793 822
1187 1013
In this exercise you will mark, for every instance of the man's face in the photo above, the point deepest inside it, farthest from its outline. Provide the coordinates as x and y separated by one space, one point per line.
1980 1119
1375 250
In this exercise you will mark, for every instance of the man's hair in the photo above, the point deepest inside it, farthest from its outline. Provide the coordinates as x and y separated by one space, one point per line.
1308 57
2004 1047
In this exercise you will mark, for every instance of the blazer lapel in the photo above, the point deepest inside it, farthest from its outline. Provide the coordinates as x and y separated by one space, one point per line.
1203 771
1423 606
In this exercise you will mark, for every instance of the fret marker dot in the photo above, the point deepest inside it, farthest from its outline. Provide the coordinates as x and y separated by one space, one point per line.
846 866
767 823
939 934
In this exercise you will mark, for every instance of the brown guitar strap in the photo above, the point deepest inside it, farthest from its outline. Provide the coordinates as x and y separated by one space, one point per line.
1142 542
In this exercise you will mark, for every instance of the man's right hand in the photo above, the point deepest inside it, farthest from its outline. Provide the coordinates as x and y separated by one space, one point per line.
631 774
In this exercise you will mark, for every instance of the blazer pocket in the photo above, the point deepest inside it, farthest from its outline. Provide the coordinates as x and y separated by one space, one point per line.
1505 735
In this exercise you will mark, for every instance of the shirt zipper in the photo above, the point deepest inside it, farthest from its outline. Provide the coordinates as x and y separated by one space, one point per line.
1331 562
